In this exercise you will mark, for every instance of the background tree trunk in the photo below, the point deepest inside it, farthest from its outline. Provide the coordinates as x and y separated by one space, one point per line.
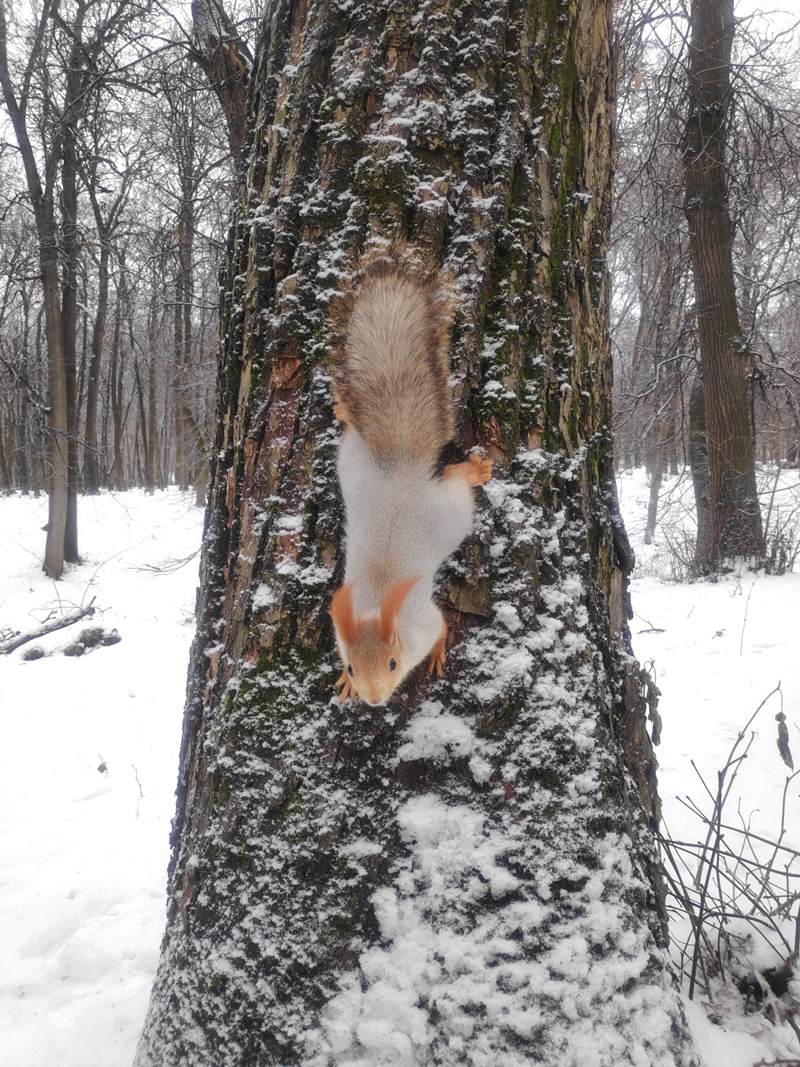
153 477
117 478
57 419
656 471
5 477
91 466
698 463
468 875
70 252
734 513
42 202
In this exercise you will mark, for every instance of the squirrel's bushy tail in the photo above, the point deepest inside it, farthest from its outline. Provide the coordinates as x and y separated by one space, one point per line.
392 336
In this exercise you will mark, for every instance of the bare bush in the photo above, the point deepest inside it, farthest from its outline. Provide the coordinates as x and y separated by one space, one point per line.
734 895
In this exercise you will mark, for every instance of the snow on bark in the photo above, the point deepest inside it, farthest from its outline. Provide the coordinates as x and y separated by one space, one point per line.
513 931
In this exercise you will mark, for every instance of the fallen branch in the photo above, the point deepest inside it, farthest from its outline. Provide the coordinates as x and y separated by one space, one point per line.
75 615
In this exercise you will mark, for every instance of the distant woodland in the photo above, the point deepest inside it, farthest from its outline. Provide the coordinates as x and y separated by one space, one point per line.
119 162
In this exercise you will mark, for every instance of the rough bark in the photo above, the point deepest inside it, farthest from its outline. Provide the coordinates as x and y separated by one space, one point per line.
733 503
468 875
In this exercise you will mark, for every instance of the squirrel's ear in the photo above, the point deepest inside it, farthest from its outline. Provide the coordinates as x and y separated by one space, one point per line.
342 613
391 603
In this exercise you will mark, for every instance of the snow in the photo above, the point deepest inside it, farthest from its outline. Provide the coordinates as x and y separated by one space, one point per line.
85 851
82 887
718 649
724 647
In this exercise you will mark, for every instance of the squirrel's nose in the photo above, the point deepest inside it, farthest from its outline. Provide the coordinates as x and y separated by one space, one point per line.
374 698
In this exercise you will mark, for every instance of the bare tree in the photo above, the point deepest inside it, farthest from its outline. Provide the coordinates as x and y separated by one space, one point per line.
111 160
42 195
71 54
757 178
733 501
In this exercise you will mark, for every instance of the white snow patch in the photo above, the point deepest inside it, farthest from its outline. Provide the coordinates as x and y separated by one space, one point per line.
82 893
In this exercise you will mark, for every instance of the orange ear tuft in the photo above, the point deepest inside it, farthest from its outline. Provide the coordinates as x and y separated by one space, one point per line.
391 604
342 613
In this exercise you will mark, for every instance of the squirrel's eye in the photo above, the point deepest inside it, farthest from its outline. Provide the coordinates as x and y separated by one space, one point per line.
350 671
392 664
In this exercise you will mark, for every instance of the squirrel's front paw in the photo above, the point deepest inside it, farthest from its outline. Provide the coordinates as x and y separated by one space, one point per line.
476 471
436 664
480 469
437 653
348 689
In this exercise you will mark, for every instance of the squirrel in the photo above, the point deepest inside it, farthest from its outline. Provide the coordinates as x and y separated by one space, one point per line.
403 519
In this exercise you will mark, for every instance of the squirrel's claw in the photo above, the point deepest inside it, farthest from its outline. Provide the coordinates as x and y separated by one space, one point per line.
348 689
437 655
435 665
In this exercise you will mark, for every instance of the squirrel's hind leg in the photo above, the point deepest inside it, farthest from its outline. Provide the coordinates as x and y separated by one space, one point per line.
437 653
476 471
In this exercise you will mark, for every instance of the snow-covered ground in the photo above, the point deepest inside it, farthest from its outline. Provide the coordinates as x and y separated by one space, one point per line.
84 849
717 650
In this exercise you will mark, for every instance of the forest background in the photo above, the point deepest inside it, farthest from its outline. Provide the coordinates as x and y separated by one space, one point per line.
133 153
112 259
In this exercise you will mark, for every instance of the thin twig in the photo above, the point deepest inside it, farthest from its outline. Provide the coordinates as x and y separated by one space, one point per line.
746 606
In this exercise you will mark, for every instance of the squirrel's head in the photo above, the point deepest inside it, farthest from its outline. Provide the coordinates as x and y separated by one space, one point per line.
370 647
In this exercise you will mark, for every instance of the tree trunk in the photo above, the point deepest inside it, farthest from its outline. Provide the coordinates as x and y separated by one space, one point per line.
656 474
200 474
227 64
5 477
733 502
178 396
22 436
116 397
153 477
23 444
144 472
69 313
465 876
673 425
44 214
698 462
57 422
184 299
91 466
